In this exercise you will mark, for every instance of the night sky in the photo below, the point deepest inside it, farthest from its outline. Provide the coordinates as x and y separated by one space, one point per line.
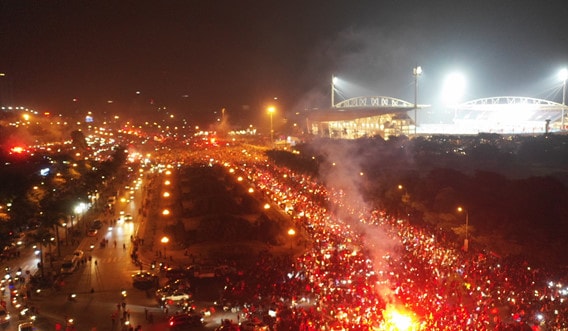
196 57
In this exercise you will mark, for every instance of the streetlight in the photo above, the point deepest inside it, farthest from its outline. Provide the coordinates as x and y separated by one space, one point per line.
563 75
405 196
333 82
165 240
39 251
58 240
466 241
66 233
291 233
416 71
271 111
79 209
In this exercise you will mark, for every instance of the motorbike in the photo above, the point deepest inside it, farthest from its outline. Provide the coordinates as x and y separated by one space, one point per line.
27 313
69 324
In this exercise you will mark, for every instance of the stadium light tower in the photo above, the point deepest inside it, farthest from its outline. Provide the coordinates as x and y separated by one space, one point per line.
416 71
563 75
333 82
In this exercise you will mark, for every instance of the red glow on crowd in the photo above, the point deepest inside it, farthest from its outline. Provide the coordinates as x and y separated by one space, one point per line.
17 150
362 269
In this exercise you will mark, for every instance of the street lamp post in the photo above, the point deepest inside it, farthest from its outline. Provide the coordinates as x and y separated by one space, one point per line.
405 196
58 240
563 77
39 251
466 240
291 233
416 71
271 111
405 199
79 209
165 240
66 233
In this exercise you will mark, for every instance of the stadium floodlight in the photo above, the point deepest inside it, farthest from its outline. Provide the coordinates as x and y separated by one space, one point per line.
563 75
333 82
416 71
453 89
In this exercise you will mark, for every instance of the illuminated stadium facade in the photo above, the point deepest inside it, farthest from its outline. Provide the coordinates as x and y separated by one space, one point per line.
385 116
363 116
509 115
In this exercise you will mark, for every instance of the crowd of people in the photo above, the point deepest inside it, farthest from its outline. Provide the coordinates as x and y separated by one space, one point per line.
363 269
366 270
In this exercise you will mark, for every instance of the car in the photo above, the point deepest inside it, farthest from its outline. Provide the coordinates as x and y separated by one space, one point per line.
78 254
183 320
97 224
4 316
224 270
92 232
128 218
202 271
175 295
9 251
19 239
227 325
254 325
144 280
178 284
69 264
26 326
175 273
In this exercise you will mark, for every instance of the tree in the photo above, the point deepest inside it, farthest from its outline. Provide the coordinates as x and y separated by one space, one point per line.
43 239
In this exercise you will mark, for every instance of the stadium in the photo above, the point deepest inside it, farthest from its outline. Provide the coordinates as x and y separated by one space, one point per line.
386 116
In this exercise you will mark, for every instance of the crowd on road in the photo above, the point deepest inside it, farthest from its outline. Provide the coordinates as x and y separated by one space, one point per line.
363 269
366 270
